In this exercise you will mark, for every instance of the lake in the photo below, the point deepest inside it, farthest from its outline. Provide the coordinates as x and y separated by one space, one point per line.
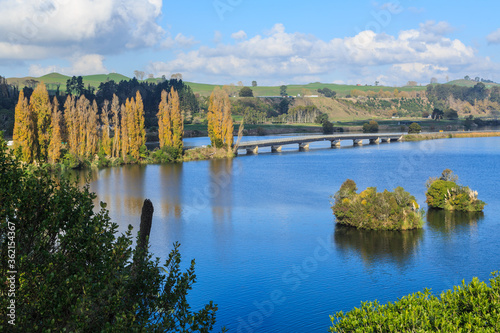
264 238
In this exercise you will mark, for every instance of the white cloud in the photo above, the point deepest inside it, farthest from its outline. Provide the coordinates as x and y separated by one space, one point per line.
494 37
180 41
83 65
240 35
278 55
105 26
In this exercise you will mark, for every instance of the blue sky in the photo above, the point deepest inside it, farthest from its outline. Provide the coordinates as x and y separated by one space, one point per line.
278 42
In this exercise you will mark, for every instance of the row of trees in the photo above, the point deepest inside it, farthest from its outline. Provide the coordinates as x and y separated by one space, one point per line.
83 130
116 130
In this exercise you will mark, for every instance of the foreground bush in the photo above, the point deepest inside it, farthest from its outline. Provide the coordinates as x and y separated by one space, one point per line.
396 210
445 193
63 268
473 307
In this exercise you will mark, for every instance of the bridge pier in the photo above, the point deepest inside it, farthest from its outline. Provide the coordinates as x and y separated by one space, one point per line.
357 142
335 143
276 149
304 146
388 140
375 141
254 150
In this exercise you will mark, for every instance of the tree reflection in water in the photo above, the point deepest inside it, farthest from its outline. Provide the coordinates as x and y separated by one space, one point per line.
378 245
446 221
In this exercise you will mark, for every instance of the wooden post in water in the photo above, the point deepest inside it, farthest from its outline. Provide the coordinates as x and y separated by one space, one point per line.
146 221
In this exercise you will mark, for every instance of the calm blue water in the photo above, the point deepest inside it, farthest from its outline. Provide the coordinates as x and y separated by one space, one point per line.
263 235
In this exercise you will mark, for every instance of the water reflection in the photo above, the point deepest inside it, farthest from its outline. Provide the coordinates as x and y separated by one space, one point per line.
131 178
171 189
447 222
374 246
221 189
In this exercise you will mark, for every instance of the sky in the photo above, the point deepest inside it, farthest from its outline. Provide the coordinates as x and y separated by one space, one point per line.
272 42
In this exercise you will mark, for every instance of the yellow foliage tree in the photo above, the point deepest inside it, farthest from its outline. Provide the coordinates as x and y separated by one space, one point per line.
25 140
170 120
220 123
106 137
55 146
115 110
41 108
140 131
124 142
72 125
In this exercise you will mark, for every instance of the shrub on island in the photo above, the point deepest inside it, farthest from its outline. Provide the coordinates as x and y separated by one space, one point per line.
370 209
445 193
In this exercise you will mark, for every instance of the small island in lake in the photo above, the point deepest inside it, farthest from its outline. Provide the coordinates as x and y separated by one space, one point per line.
445 193
370 209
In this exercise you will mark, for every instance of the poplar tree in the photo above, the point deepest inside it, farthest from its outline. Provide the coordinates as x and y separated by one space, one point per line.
106 137
220 123
124 143
82 110
72 125
115 110
177 120
92 131
170 120
41 108
140 138
25 141
164 123
54 153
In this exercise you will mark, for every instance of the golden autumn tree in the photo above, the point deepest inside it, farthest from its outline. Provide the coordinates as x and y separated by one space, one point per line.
170 120
134 122
164 124
220 123
42 110
55 145
115 110
25 140
72 125
140 138
106 135
124 144
82 115
177 120
92 131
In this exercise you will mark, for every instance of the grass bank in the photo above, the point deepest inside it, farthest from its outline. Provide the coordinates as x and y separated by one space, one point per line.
445 135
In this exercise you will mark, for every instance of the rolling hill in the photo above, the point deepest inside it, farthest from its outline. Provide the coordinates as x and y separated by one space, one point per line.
54 79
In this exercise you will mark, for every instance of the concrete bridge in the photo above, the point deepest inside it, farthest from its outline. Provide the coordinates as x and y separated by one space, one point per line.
252 147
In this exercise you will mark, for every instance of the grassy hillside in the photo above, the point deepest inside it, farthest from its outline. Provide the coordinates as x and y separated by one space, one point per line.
53 79
469 83
203 89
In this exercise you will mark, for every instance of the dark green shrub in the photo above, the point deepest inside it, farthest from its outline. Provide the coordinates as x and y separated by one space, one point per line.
73 273
473 307
414 128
